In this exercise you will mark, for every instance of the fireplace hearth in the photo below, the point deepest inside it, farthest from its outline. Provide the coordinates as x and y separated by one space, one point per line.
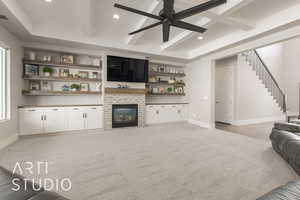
124 115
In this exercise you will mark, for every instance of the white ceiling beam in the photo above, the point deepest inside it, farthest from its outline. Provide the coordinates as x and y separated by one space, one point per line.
284 20
223 11
153 8
234 22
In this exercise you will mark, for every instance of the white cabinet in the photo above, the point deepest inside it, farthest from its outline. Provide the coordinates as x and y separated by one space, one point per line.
94 118
166 113
55 120
31 121
76 118
59 119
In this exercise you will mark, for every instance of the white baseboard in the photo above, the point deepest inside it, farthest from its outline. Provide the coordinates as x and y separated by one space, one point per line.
200 123
258 120
7 141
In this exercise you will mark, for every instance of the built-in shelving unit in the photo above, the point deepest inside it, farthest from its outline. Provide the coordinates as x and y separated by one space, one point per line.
166 80
53 73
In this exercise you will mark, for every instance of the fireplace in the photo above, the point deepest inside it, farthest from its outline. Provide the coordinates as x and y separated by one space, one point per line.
124 115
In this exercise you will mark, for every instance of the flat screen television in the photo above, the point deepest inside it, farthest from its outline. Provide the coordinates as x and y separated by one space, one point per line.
121 69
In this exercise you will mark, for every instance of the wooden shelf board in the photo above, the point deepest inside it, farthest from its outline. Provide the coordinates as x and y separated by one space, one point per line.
166 74
125 91
166 94
159 83
57 93
64 65
44 78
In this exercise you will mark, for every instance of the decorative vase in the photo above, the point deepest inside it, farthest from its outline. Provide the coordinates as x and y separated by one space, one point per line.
47 74
74 89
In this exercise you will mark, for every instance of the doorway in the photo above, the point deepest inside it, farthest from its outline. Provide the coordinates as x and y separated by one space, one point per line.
224 90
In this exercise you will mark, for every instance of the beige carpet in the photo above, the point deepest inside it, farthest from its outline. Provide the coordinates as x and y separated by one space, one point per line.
259 131
162 162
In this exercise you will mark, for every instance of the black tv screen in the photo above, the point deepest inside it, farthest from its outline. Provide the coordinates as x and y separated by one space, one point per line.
121 69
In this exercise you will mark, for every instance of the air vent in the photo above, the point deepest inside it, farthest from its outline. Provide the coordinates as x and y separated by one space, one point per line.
3 17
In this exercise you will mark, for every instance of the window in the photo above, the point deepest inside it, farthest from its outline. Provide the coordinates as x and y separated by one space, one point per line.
3 84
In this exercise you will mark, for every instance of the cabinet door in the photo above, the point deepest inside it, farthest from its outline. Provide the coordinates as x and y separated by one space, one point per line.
30 122
76 119
94 118
55 120
152 114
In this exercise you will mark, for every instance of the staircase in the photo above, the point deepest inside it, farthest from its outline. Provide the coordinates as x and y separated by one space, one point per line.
264 74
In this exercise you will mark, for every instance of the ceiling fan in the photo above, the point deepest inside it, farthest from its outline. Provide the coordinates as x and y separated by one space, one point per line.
168 17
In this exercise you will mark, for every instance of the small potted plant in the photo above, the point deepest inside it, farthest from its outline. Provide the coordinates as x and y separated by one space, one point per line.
75 87
47 71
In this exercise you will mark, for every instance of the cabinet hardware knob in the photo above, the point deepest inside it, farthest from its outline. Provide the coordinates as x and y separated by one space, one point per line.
55 109
31 110
157 112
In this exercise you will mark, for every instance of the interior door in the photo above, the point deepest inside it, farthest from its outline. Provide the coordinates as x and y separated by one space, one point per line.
224 93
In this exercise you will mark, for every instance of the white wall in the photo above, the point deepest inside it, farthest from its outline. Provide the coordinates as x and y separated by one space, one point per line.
291 66
272 55
199 89
9 129
253 102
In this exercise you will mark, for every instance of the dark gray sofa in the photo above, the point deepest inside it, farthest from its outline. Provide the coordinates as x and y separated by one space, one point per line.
285 138
7 192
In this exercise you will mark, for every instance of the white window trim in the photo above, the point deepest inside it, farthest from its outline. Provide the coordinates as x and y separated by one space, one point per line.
7 84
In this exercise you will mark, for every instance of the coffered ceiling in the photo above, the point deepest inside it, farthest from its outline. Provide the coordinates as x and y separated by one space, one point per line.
91 22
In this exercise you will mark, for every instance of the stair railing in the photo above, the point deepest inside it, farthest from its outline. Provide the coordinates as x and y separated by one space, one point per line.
264 74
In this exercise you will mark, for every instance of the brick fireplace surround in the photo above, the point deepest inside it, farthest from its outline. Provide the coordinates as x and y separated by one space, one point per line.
124 96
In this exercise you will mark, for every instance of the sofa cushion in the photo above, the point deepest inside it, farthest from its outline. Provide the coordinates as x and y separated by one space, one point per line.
287 144
290 191
290 127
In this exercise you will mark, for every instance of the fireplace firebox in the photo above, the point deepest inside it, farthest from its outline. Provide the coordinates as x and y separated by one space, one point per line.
124 115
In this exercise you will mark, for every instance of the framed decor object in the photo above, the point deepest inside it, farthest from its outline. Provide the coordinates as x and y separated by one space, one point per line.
68 59
35 85
31 70
46 86
83 74
84 87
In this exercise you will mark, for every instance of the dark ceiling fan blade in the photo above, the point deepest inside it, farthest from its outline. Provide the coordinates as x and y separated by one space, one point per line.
145 28
166 31
200 8
138 12
190 27
169 7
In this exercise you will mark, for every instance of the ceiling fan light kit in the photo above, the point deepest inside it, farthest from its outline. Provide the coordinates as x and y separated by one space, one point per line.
168 17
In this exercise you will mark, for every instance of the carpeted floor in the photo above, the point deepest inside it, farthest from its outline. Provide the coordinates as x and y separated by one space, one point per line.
259 131
161 162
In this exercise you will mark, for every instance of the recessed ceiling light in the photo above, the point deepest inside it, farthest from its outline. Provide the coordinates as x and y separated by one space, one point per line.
49 1
200 38
116 16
